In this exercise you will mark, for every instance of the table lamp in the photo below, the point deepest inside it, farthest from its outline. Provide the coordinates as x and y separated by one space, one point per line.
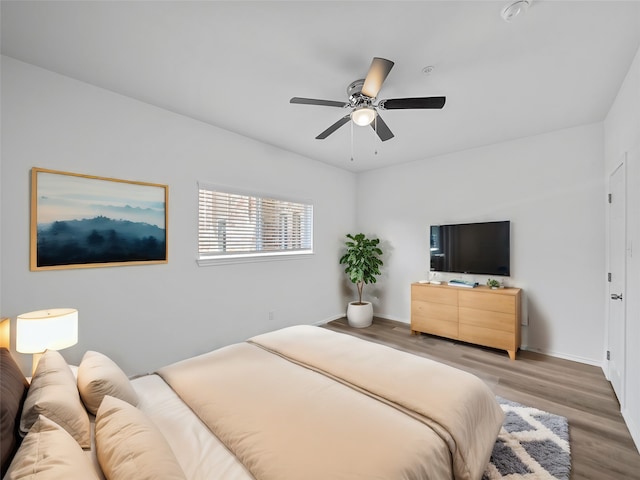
53 329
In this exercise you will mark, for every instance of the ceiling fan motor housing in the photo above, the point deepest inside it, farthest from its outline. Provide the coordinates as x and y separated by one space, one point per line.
356 97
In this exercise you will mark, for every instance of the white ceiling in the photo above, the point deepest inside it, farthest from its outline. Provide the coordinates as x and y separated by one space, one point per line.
236 64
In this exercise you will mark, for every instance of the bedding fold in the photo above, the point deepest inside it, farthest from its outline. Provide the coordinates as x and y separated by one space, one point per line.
456 404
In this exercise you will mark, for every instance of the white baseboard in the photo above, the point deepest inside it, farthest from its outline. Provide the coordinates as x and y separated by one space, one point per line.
389 317
633 428
327 320
573 358
343 315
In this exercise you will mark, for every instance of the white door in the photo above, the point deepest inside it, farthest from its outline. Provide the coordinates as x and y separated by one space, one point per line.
617 270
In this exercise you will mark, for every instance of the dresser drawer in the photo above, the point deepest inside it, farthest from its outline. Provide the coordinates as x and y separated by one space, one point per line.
488 337
434 294
434 311
442 328
496 302
484 318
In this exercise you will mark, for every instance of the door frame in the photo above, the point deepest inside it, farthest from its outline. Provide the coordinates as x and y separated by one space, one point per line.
622 165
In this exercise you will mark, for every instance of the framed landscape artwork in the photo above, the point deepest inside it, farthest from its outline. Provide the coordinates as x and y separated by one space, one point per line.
81 221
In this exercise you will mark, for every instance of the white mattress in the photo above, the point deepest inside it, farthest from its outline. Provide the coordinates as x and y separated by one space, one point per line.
200 454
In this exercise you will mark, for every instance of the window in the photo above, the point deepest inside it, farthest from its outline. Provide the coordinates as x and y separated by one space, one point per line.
234 226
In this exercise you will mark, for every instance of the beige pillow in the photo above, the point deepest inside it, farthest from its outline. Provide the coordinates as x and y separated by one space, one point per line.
49 452
54 394
129 445
98 376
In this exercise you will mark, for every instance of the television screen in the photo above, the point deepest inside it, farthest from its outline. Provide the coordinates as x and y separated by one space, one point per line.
477 248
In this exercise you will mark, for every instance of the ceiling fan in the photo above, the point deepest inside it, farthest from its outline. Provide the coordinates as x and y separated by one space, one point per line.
362 96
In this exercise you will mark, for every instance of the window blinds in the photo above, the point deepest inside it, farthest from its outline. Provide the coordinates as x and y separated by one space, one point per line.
238 224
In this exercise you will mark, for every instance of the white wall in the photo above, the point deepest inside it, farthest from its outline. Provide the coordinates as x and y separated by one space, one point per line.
622 136
550 186
551 189
147 316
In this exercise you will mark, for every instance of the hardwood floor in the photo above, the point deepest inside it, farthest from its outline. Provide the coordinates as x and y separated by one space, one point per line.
601 446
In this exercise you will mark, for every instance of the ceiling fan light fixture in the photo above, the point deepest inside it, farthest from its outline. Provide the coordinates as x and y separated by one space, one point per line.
513 9
363 116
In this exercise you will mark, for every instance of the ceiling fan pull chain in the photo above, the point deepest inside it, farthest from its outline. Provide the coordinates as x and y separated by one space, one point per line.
377 140
351 141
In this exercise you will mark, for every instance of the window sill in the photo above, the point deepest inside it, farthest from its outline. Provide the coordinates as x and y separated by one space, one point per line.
252 258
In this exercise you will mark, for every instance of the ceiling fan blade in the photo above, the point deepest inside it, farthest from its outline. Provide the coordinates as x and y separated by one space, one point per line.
313 101
407 103
334 127
378 71
381 129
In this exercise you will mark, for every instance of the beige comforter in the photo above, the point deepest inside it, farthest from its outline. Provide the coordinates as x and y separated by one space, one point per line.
307 403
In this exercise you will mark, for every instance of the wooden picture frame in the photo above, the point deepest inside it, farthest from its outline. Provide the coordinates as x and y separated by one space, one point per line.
84 221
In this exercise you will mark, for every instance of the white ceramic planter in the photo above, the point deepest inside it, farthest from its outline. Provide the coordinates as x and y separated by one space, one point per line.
360 316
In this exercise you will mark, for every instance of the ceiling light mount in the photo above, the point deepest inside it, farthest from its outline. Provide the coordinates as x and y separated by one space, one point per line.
513 9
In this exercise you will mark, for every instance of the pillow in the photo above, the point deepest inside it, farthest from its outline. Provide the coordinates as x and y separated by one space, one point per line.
13 390
129 445
54 394
98 376
49 452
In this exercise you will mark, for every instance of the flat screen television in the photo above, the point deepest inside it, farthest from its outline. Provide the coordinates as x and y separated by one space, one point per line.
475 248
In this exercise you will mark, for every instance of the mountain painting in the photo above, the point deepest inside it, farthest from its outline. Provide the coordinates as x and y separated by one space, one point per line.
86 221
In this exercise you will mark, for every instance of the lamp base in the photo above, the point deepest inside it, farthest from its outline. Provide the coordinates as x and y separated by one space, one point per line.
36 359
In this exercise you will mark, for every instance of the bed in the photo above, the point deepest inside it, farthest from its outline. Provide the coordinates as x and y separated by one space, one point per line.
302 402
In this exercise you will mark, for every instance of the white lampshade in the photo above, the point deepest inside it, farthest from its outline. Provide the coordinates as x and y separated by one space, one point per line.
363 116
53 329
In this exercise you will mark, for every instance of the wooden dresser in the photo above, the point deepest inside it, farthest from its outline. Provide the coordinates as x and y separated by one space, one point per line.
477 315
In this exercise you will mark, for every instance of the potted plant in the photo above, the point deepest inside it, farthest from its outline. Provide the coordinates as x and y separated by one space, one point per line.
493 284
363 262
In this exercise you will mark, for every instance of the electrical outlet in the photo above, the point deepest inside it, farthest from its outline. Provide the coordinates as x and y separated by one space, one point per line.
271 315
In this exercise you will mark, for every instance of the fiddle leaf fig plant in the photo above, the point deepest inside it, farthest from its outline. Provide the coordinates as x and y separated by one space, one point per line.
362 259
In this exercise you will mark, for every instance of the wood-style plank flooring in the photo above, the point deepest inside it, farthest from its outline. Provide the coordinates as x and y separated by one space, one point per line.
601 446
